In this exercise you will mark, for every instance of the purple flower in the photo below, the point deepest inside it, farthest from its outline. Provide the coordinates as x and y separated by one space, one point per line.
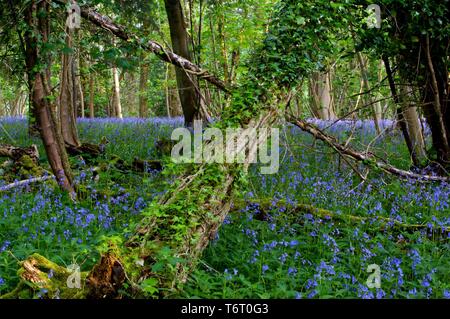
380 294
312 294
265 268
293 243
311 283
5 246
283 258
446 294
292 271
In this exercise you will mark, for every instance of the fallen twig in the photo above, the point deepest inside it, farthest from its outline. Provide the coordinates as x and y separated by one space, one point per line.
25 182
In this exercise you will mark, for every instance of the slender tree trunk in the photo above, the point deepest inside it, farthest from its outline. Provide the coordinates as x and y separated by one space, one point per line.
223 47
79 86
116 105
186 83
167 92
143 104
400 116
413 122
365 78
173 98
234 65
378 106
91 96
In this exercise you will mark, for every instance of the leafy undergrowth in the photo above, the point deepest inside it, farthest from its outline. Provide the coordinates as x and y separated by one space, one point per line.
259 253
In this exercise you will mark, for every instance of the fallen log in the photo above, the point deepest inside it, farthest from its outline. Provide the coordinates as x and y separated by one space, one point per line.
293 210
365 158
15 153
25 162
93 150
140 165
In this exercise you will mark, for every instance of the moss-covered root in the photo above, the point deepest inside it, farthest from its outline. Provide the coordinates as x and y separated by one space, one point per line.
42 278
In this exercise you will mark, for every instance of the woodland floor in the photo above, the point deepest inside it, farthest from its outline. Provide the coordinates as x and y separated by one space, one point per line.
266 248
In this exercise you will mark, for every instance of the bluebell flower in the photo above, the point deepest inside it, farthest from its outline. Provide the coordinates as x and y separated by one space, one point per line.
312 294
292 271
293 243
380 293
283 258
265 268
5 245
446 294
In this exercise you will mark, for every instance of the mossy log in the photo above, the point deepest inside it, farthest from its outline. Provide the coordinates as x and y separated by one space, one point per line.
92 150
293 210
25 162
42 277
15 153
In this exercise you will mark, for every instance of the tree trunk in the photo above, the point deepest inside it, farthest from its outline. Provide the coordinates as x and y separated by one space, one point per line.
223 48
143 104
399 111
173 103
321 97
91 96
116 105
41 107
435 96
186 82
365 79
79 87
68 97
414 127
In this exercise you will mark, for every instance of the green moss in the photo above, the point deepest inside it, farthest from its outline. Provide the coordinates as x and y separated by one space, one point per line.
27 167
45 286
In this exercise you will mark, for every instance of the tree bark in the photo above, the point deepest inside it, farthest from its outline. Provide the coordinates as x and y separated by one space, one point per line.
365 79
91 95
41 105
143 104
186 83
399 111
116 104
68 97
79 87
321 97
414 127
